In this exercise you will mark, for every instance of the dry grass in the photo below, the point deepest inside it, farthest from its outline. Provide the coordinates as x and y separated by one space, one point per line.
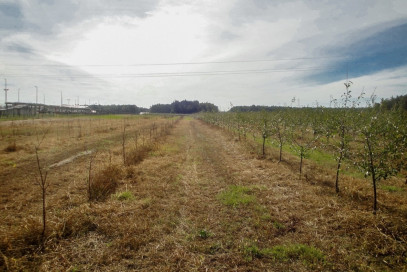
20 198
179 220
136 156
12 147
105 182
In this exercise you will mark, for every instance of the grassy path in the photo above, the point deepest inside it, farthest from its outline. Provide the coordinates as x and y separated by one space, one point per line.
202 202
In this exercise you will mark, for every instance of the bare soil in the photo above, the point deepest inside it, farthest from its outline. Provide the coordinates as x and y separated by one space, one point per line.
181 220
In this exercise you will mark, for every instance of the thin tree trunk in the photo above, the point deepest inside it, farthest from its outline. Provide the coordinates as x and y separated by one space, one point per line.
280 139
281 153
372 170
44 212
301 156
341 155
43 184
264 143
337 174
90 179
124 144
374 193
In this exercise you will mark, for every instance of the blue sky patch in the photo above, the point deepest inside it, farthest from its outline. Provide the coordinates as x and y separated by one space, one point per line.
381 51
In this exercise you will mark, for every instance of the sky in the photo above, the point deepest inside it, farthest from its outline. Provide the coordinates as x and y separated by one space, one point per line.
229 52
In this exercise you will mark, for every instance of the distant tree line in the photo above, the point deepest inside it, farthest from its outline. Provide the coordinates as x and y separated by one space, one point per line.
184 107
254 108
398 102
117 109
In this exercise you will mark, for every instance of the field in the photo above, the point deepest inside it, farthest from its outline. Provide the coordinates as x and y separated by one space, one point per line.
186 196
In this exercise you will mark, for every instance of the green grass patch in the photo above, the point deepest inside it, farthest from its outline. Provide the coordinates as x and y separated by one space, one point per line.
114 116
124 196
352 172
284 253
391 188
322 157
203 234
236 195
310 255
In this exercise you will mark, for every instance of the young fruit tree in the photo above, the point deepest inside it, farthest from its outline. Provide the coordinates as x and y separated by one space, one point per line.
382 151
302 137
342 124
280 130
265 131
42 180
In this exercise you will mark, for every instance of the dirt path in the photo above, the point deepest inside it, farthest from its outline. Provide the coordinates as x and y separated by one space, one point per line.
204 203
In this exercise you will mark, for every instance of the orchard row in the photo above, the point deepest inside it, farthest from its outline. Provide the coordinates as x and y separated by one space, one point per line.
370 139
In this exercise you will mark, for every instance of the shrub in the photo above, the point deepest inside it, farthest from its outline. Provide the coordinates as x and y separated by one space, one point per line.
12 147
76 224
105 183
138 155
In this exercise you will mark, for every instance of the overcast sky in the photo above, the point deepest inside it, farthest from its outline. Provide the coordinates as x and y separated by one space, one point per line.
238 52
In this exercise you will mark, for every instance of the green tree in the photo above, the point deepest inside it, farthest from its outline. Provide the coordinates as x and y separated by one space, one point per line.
383 144
302 137
279 128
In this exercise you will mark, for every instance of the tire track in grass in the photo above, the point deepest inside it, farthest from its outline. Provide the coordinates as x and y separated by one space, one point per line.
212 233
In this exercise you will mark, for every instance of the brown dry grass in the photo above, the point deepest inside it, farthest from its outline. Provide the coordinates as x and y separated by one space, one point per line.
136 156
20 197
12 147
105 182
177 221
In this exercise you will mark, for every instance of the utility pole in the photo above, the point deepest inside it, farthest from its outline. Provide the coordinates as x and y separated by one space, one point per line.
18 100
5 92
36 94
36 99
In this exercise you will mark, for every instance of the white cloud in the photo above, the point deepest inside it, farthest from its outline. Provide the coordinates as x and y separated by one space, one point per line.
89 48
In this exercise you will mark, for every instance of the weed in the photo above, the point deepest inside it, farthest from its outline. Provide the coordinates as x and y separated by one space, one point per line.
236 195
204 234
252 252
124 196
278 225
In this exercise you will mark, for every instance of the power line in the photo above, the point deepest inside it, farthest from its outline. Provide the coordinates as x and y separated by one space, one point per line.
172 74
174 63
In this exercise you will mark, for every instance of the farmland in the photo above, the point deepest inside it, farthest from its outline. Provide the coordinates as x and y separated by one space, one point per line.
195 194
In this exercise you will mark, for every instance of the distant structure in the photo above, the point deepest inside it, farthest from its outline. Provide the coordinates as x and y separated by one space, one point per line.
32 109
